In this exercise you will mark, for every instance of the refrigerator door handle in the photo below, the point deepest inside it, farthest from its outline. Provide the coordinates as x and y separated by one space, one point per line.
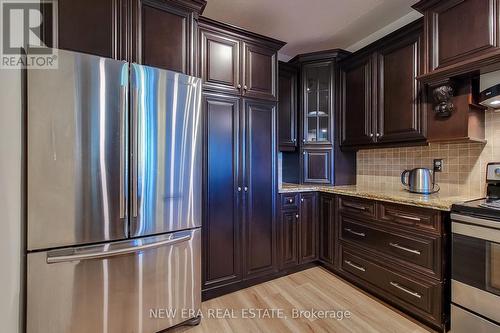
135 150
54 259
123 150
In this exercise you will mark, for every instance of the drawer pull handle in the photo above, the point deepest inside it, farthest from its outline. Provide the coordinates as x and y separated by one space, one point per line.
397 246
362 234
397 285
413 218
354 206
359 268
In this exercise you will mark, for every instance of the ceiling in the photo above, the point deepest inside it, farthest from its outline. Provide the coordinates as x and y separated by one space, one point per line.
311 25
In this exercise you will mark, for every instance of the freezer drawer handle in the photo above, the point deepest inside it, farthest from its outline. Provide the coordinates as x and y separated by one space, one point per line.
117 252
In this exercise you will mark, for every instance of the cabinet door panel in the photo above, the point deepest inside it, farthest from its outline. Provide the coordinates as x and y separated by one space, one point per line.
463 29
260 191
220 62
399 108
162 36
317 166
308 228
287 108
89 26
356 99
221 226
289 237
327 228
317 103
259 72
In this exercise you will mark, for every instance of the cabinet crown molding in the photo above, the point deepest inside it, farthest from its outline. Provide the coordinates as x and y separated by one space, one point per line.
337 54
236 31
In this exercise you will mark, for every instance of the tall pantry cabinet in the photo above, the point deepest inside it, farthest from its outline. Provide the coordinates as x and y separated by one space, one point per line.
239 72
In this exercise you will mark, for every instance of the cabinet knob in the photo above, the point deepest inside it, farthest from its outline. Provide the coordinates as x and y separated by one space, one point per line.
304 140
371 135
239 86
239 189
245 88
246 189
301 199
378 135
290 200
303 153
296 216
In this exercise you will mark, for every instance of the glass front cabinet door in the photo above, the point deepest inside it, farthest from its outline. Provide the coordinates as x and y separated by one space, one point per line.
317 108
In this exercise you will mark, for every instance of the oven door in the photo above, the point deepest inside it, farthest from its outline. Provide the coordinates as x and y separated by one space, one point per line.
476 265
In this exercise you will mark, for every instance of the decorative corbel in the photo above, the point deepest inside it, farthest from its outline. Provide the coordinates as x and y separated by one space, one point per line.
443 105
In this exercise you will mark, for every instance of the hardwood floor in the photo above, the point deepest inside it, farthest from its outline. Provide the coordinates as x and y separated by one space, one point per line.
315 288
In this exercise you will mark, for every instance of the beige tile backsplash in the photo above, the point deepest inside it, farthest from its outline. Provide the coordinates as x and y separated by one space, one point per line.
464 163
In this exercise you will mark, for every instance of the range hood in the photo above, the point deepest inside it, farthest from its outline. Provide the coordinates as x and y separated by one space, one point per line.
490 90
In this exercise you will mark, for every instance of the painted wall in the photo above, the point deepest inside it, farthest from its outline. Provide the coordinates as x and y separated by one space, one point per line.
10 200
464 170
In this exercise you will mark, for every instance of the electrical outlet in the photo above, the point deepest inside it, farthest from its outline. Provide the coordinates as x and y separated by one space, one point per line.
438 165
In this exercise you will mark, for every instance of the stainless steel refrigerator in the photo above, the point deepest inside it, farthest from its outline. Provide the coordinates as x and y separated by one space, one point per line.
113 197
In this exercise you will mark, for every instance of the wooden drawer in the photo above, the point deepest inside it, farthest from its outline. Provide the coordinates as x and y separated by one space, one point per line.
419 297
289 201
415 251
410 217
357 207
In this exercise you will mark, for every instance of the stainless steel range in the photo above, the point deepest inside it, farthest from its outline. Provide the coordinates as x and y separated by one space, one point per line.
475 281
114 196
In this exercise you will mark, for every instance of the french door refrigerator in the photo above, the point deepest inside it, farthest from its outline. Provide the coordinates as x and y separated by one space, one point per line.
113 197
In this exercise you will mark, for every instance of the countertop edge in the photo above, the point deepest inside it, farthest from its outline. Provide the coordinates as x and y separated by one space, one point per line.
446 207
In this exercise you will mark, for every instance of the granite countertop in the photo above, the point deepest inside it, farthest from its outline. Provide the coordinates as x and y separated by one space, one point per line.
440 201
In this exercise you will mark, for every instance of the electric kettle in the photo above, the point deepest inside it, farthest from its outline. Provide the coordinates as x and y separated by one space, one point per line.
419 180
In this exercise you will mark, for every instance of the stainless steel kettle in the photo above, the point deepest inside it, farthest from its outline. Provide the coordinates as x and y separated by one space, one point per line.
419 180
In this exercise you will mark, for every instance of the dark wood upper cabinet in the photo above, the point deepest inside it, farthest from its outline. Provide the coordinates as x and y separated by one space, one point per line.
259 71
317 81
400 109
317 165
163 33
356 103
220 61
237 61
259 187
461 36
89 26
381 98
321 160
287 107
308 227
159 33
222 234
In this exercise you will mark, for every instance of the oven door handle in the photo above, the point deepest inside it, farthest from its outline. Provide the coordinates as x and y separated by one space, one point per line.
475 227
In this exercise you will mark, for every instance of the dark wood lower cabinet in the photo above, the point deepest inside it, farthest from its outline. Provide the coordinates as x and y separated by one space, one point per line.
308 228
395 252
398 253
298 230
289 239
327 228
